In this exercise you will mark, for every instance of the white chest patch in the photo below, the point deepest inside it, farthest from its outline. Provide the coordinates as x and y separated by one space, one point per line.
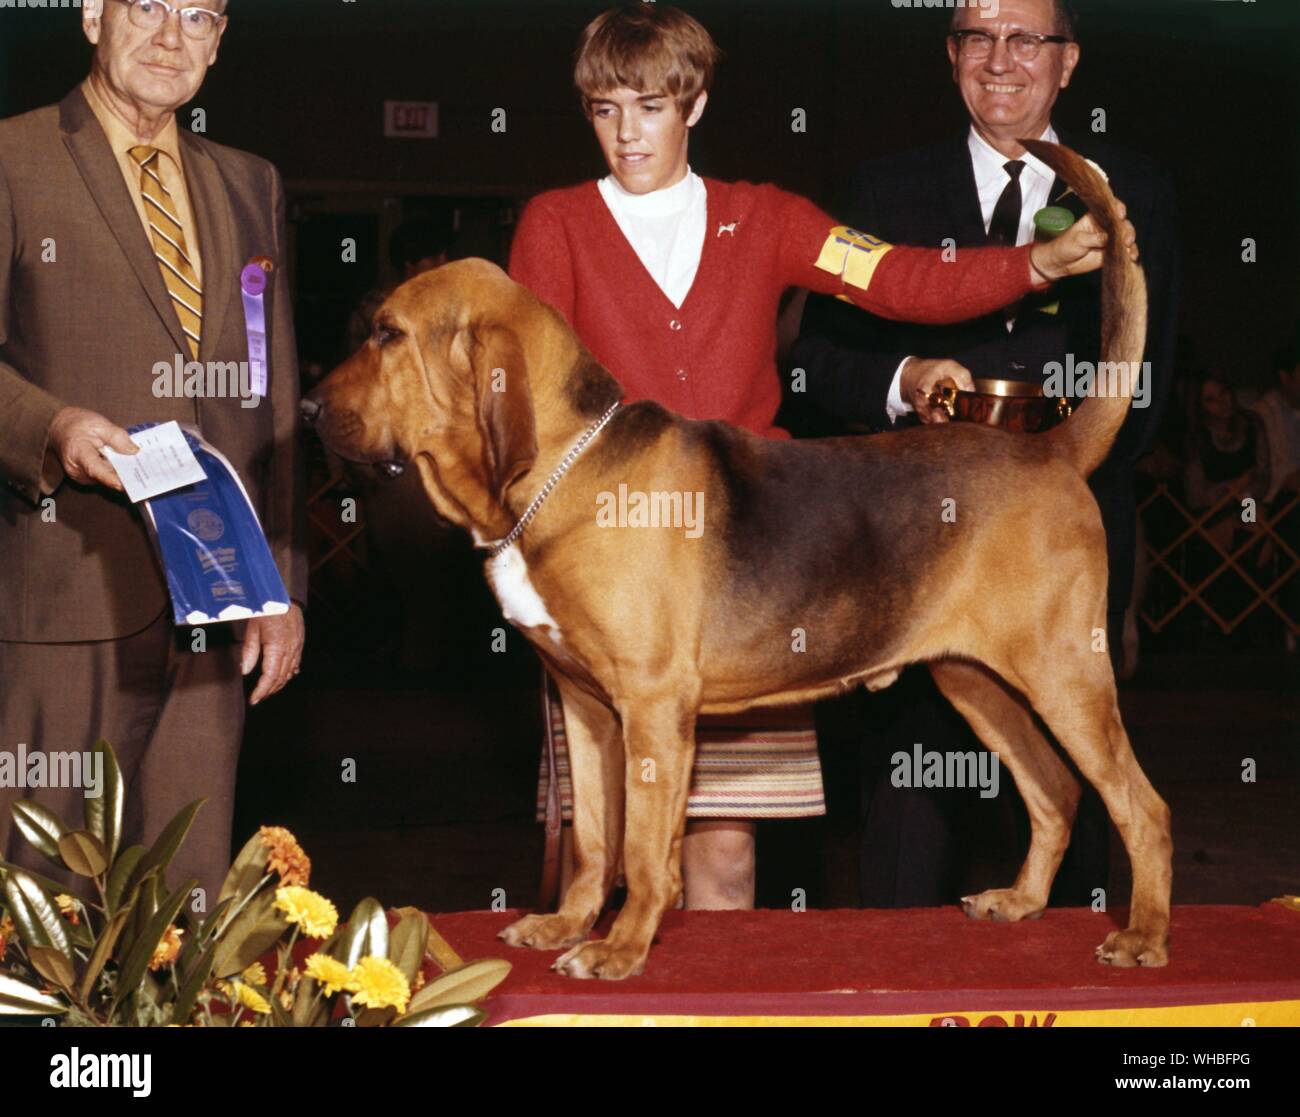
520 602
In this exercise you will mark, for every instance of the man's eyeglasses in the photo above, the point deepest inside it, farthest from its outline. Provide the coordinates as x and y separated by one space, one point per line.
1023 45
196 23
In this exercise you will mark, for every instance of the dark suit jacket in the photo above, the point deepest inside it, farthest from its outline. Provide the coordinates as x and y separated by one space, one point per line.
929 194
87 328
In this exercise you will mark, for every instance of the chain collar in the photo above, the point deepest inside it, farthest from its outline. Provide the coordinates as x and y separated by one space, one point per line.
560 470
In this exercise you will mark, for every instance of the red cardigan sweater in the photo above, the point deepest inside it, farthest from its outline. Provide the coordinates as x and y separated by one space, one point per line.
715 356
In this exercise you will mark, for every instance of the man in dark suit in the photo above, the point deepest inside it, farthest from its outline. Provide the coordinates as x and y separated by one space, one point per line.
122 239
865 374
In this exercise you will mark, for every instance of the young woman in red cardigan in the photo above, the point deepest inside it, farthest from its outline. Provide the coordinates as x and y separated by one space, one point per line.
673 282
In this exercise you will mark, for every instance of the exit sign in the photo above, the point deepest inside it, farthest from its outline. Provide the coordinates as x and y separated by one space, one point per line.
411 119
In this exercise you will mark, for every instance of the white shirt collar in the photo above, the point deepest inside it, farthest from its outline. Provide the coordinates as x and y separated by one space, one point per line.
990 164
658 203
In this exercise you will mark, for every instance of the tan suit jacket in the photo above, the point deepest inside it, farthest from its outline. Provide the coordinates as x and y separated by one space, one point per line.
84 317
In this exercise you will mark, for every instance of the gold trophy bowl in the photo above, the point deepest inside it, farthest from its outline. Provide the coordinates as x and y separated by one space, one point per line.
1014 405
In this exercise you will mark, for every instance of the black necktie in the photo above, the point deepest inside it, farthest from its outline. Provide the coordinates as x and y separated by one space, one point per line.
1004 229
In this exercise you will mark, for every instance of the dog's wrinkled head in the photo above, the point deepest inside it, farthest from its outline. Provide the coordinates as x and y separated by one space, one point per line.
442 382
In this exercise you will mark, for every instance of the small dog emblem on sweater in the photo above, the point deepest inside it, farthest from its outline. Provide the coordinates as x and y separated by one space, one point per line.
727 228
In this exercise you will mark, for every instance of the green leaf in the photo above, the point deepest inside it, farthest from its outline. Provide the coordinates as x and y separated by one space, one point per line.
45 882
247 871
115 891
137 962
53 965
102 952
449 1016
103 815
278 1013
83 853
254 931
366 934
79 933
195 979
148 898
406 944
463 985
169 841
41 827
20 999
376 1017
202 933
308 1010
34 914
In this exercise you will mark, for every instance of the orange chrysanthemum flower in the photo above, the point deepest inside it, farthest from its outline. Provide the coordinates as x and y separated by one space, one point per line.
286 856
167 950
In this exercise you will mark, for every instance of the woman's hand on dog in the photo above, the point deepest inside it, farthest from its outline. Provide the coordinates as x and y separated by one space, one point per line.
1078 250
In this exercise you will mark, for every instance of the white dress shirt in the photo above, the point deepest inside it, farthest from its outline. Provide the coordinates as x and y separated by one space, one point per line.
991 179
665 228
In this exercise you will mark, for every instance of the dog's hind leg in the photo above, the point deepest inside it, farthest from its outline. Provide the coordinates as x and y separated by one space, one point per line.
659 737
596 768
1001 719
1078 701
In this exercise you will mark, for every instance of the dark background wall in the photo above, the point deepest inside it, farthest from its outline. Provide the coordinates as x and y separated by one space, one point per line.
1209 87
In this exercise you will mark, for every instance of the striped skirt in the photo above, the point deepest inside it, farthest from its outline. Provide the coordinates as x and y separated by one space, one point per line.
760 764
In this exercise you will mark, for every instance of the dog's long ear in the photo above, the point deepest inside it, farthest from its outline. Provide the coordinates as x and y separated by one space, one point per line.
503 405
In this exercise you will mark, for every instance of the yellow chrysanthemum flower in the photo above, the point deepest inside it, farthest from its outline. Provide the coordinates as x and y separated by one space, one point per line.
251 998
331 974
309 910
6 933
167 950
286 856
377 983
254 975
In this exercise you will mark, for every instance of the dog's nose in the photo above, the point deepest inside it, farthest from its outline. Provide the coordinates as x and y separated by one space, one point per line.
310 410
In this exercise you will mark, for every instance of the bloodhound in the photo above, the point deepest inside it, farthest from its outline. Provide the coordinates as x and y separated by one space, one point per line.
813 567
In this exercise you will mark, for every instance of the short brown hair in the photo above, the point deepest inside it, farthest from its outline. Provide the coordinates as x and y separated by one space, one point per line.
649 48
1064 17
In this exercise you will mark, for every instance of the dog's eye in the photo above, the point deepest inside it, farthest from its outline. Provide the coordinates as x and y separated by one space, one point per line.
385 333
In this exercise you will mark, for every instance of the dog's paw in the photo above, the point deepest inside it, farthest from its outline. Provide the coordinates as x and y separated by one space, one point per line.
601 959
544 932
1002 905
1133 948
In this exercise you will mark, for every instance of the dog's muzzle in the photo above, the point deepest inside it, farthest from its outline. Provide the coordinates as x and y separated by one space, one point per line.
312 412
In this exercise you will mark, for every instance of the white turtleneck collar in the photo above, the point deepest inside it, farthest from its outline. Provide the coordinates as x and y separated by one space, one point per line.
665 228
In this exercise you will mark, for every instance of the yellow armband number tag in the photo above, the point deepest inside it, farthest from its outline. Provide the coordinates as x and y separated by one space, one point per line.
853 255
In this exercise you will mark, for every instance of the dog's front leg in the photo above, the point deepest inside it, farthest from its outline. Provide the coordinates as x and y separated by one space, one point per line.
596 769
659 737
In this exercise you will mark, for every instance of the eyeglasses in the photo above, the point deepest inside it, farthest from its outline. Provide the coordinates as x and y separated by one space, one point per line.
1023 45
196 23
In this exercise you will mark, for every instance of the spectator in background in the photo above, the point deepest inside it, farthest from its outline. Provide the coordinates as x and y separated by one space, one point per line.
1279 415
1278 412
1227 455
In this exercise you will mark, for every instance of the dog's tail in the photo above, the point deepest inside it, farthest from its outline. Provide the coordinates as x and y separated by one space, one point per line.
1086 437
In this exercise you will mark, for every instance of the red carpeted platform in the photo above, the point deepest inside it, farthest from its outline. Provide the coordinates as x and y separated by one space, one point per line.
928 967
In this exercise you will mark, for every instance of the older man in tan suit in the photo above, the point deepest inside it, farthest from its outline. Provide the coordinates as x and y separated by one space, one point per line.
122 240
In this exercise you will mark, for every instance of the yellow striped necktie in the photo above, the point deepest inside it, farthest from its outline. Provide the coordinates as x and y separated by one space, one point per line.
169 247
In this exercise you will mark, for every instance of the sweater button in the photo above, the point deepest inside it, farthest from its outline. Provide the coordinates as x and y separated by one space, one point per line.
674 325
681 374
